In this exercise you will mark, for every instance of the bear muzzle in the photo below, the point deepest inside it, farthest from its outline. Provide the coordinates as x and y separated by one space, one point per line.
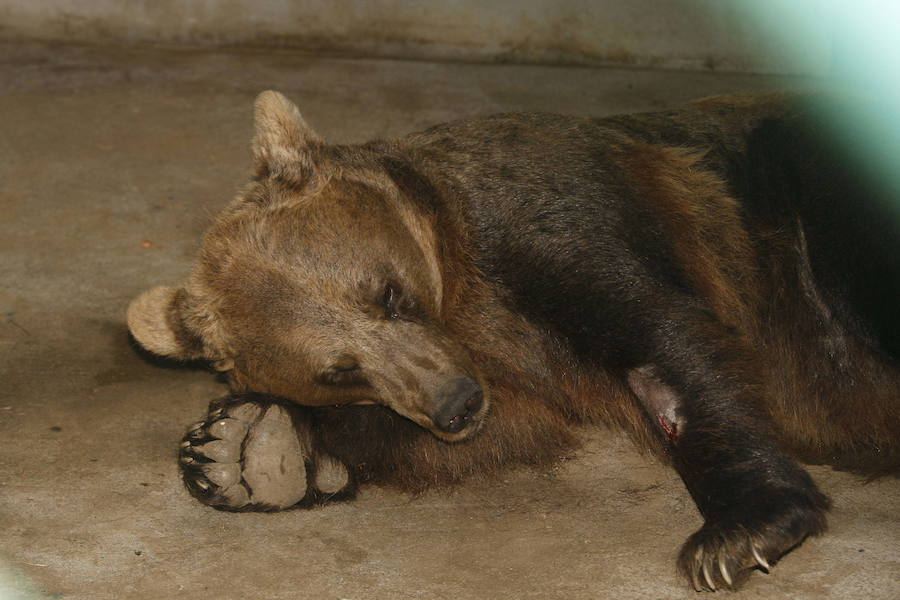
457 402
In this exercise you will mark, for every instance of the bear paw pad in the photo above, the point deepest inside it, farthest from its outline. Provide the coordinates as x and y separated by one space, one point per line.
249 456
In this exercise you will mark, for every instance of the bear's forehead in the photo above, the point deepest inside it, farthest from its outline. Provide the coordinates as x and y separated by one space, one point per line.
307 258
340 235
304 269
339 224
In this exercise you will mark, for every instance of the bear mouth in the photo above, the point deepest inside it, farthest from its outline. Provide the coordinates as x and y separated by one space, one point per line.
463 428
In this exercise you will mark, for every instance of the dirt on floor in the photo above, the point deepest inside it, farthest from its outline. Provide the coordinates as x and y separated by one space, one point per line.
112 162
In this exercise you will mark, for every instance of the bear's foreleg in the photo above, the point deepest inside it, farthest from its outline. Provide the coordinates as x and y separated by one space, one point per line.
756 501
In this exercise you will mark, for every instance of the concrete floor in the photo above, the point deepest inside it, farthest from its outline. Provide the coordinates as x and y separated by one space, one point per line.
112 162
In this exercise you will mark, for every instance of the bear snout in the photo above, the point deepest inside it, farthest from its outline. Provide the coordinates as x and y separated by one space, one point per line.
457 401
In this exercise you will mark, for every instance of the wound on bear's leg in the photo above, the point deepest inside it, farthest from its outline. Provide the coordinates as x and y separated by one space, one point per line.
670 428
657 399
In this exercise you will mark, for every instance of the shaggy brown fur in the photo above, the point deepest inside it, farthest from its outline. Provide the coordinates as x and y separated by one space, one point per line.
686 275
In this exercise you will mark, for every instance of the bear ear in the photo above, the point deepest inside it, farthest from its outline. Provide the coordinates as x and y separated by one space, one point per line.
283 139
154 319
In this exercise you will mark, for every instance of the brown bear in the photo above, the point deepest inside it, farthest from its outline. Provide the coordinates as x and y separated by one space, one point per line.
717 280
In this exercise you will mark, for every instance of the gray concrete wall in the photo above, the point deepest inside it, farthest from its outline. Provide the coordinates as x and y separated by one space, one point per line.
679 34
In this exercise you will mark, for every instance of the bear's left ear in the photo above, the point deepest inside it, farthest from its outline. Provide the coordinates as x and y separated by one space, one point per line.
283 139
155 321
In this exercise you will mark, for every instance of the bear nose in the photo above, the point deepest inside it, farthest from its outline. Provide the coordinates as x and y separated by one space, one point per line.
457 401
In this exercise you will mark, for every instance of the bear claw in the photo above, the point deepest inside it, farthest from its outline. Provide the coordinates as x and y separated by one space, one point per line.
726 550
759 559
708 579
724 572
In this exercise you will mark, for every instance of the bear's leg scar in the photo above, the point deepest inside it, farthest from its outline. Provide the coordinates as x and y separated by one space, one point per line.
658 399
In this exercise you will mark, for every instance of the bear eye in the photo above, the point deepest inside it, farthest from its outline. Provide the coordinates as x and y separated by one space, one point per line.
390 300
398 304
345 372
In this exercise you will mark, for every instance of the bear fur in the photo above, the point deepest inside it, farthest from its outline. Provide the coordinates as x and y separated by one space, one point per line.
717 280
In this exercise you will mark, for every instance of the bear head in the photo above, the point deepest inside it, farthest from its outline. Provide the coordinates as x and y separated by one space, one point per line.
322 283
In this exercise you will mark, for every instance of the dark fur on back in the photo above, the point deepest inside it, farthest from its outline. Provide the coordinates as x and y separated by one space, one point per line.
723 218
722 245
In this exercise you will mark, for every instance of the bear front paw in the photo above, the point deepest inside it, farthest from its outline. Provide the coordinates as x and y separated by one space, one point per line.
250 455
725 551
